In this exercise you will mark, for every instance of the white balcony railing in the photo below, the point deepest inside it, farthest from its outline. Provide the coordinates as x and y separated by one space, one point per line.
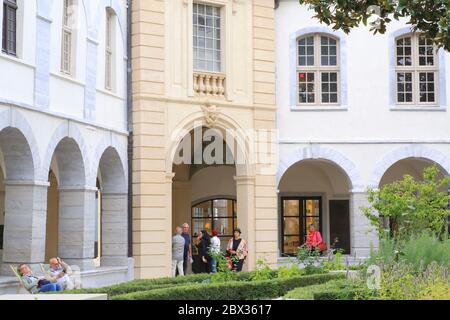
209 84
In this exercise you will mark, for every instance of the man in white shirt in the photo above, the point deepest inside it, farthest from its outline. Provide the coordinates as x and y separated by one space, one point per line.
214 249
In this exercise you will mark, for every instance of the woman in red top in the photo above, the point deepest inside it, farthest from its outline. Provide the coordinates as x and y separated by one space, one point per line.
314 239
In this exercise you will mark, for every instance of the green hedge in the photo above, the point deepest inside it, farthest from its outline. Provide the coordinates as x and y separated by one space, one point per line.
233 290
151 284
307 293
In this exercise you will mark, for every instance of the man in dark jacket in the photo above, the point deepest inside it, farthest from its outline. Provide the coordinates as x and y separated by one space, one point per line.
187 247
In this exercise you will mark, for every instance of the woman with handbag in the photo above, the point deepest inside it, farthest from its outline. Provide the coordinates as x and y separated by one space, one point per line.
237 250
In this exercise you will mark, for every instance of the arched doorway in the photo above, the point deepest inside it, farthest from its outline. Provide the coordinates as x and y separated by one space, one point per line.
111 226
23 217
314 192
75 203
409 166
204 191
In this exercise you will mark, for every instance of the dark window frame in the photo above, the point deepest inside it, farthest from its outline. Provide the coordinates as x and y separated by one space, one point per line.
301 217
211 219
9 32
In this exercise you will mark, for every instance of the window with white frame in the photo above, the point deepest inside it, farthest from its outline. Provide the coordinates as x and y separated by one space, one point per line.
416 71
109 50
207 38
318 71
67 37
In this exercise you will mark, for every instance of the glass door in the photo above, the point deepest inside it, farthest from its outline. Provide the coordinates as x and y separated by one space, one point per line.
297 214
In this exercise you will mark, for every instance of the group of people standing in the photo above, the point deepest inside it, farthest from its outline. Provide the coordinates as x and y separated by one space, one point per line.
208 247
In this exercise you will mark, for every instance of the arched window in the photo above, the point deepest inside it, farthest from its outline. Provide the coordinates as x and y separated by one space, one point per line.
67 40
416 70
318 70
9 34
109 50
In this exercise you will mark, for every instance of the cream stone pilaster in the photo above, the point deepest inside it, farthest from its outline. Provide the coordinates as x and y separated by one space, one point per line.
245 190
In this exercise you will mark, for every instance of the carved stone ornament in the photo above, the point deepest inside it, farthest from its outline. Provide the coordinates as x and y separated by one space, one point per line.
211 113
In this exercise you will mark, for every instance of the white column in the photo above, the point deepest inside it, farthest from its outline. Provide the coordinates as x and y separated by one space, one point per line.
76 231
245 191
25 223
114 229
362 234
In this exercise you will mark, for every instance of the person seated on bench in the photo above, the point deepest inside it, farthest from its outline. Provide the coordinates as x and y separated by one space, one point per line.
34 284
59 272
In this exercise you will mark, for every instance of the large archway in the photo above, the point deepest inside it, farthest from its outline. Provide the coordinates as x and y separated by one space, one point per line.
314 191
204 191
111 227
23 216
75 203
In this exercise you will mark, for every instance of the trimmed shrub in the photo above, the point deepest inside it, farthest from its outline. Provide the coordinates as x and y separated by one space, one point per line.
234 290
151 284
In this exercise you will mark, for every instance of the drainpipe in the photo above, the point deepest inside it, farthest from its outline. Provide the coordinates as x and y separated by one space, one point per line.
130 132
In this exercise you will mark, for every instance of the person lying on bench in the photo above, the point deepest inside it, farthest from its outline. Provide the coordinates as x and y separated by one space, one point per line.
34 284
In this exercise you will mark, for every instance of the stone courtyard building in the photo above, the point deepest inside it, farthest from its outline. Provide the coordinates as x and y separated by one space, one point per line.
108 109
63 137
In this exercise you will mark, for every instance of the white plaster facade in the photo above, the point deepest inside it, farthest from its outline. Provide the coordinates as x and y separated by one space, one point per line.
366 137
71 126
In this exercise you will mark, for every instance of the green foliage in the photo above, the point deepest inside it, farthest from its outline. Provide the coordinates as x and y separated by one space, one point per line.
403 282
263 271
413 206
294 270
418 251
234 290
310 260
335 262
342 289
432 17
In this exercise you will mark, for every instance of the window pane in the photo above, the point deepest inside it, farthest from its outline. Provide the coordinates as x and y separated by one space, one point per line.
306 87
426 87
306 51
291 244
328 51
207 43
329 87
404 57
291 225
404 87
202 210
426 52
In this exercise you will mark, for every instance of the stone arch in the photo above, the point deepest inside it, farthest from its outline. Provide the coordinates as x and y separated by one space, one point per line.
109 142
319 152
243 144
410 151
20 130
70 132
113 210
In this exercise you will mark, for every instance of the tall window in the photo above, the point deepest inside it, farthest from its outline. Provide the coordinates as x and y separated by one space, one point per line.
297 214
219 214
207 38
9 43
67 34
109 44
416 70
318 70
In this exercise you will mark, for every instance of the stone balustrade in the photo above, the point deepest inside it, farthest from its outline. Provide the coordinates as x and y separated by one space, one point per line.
209 84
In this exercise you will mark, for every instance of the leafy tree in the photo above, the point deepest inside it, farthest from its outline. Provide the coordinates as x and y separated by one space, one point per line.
414 206
432 17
